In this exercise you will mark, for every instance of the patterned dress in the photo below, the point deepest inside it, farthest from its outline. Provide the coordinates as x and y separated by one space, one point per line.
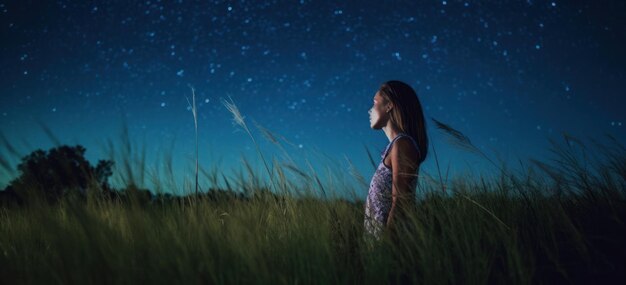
378 203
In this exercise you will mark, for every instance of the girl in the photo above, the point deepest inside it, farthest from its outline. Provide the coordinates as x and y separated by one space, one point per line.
398 112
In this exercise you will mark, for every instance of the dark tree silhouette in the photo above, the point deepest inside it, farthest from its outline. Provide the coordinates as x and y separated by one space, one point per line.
59 171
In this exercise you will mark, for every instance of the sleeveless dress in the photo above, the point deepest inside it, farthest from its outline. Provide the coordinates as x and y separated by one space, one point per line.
378 203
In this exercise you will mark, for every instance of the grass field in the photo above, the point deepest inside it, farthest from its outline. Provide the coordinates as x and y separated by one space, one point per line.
520 228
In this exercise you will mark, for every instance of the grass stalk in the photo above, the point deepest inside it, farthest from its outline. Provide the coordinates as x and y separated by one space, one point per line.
239 120
194 111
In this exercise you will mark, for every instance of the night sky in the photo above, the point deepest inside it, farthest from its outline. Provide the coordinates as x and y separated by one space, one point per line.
508 74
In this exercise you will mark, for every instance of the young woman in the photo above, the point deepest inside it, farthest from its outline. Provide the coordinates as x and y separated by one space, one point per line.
398 112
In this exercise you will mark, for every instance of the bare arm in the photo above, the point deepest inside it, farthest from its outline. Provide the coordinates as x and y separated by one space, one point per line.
404 168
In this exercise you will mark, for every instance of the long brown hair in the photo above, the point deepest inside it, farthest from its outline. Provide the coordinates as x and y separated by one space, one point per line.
407 115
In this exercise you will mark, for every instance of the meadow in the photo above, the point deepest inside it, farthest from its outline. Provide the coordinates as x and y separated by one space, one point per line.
561 221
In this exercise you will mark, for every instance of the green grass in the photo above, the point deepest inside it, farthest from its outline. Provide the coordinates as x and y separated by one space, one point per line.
516 228
575 236
273 239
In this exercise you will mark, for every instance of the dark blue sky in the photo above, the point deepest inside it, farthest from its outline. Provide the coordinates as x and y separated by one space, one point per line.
509 74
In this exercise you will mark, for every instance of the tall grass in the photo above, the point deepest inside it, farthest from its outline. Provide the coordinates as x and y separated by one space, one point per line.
194 112
568 228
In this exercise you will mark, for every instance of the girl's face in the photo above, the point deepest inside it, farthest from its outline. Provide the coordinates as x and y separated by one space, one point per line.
378 113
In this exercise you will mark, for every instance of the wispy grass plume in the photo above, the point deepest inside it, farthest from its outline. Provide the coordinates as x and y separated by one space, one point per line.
4 161
194 111
9 147
369 156
462 141
49 133
238 118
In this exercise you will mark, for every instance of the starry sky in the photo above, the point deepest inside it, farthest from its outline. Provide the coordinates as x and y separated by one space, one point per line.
508 74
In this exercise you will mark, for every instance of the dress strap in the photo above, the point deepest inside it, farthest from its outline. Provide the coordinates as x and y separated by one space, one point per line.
394 140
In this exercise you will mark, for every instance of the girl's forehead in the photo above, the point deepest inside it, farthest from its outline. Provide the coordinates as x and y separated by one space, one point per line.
379 97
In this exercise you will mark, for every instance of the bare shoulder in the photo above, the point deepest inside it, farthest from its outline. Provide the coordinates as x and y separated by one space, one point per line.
403 148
